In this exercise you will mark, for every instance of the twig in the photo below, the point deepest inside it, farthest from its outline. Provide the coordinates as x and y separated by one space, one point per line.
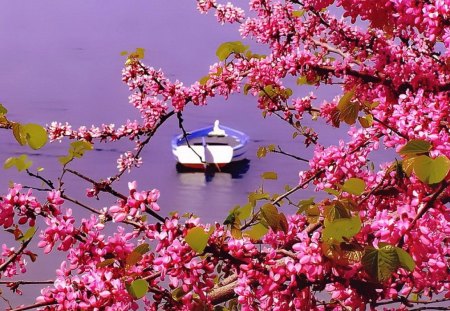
280 151
27 282
34 306
185 135
80 204
105 187
13 257
48 182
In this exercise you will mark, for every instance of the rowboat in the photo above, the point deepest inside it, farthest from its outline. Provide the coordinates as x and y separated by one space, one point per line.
215 144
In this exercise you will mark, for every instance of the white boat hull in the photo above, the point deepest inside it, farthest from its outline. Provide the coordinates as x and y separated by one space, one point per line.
199 155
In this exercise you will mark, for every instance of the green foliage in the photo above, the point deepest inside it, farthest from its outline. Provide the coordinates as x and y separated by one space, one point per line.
269 175
340 229
336 210
28 234
343 253
304 80
257 231
32 134
21 162
431 171
354 186
138 288
263 150
366 121
347 108
3 110
382 262
257 196
139 53
76 150
35 135
178 293
277 221
106 262
247 88
245 211
197 239
405 259
228 48
415 146
204 79
136 255
310 209
332 191
299 13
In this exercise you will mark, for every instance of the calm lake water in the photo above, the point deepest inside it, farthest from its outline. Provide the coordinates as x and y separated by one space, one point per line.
60 60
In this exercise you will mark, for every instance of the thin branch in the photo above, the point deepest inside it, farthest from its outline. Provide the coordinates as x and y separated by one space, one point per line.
48 182
105 187
163 119
390 127
185 135
34 306
280 151
27 282
92 210
13 257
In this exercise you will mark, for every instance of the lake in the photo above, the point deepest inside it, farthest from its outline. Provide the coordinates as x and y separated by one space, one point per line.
60 61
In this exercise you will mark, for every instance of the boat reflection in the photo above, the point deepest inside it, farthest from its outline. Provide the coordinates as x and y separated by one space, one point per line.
233 170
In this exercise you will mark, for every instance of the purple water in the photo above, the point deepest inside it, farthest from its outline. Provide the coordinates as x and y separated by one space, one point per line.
60 60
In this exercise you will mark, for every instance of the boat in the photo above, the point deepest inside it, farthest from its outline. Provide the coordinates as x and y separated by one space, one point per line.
216 144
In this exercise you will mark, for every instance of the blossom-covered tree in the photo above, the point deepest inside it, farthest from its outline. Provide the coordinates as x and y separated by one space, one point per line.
379 239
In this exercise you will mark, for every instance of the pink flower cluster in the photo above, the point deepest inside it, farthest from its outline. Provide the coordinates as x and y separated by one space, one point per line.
135 205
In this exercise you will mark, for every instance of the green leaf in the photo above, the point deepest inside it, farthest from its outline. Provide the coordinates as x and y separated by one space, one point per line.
380 263
178 293
28 234
431 171
21 162
405 259
283 224
19 135
303 204
138 288
76 150
336 211
331 191
106 262
269 175
408 164
245 211
415 146
255 196
197 239
3 110
271 215
136 255
261 153
348 109
35 135
247 88
203 80
366 121
65 160
257 231
339 229
354 186
299 13
227 48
